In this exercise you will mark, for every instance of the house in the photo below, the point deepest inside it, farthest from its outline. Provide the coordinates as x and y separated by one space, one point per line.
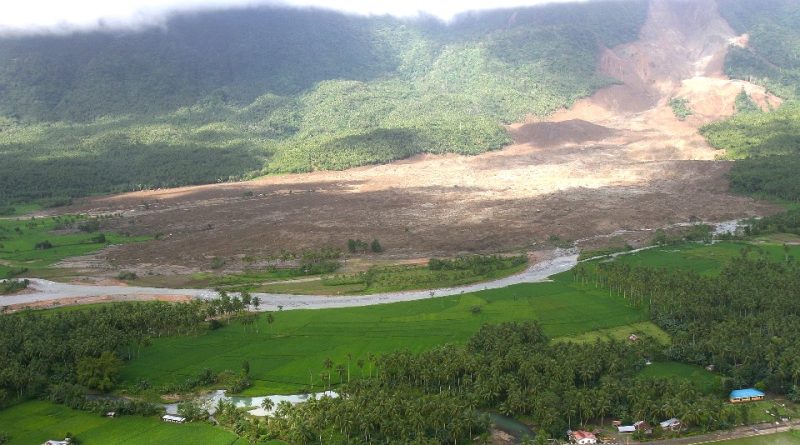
582 437
638 426
746 395
671 424
173 419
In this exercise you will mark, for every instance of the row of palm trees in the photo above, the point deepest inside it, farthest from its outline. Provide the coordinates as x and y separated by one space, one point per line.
745 320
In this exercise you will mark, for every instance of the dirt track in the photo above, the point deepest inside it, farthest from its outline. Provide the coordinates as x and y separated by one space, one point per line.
617 160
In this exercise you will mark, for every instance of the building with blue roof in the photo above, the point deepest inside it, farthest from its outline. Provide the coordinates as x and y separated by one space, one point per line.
746 395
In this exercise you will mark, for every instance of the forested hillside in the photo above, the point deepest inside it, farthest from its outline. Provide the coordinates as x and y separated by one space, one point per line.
766 143
227 95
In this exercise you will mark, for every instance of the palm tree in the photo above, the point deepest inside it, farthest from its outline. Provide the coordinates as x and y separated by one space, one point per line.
270 320
267 404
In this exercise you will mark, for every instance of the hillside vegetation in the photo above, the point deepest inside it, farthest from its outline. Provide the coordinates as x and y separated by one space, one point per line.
229 95
766 143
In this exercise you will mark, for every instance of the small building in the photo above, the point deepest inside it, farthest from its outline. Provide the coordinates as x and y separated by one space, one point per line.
58 442
626 429
643 427
173 419
671 424
111 414
746 395
583 437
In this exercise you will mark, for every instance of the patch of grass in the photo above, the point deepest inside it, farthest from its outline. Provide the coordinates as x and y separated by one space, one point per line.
36 421
788 438
605 251
19 238
704 259
761 412
680 108
703 380
391 279
288 354
643 329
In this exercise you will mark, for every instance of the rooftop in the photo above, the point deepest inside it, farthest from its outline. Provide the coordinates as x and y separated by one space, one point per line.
746 393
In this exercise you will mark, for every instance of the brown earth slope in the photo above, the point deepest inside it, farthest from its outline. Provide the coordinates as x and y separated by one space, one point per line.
616 160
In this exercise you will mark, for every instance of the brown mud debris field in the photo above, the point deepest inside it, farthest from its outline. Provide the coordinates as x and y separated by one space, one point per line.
617 160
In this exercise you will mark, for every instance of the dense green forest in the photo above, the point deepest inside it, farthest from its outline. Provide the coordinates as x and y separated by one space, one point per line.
228 95
42 352
765 143
744 321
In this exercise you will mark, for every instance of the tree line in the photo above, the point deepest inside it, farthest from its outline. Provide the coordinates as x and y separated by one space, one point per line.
745 321
442 396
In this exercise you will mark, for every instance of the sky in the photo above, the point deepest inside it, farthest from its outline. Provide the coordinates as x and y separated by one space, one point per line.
46 16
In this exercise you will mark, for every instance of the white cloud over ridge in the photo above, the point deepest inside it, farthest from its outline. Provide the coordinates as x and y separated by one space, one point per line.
48 16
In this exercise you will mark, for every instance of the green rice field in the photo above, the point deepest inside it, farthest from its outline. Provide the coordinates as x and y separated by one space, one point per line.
287 355
705 259
34 422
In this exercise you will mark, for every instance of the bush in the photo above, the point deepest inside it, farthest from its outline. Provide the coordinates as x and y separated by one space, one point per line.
12 286
217 262
680 108
192 411
90 226
43 245
126 275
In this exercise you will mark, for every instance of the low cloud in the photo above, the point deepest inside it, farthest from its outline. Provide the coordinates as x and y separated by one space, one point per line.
59 16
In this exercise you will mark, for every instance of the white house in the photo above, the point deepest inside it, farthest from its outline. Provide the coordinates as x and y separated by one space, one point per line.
173 419
671 424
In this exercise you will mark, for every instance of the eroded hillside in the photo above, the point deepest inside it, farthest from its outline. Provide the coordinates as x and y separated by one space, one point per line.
618 160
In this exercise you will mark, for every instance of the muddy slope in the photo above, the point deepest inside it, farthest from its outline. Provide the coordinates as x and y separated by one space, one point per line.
617 160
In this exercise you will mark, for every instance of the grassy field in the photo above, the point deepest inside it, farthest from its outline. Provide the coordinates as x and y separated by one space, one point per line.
287 354
703 258
702 379
789 438
641 329
19 238
36 421
389 279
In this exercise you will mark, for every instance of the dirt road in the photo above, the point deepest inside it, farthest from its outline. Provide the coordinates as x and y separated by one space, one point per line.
763 429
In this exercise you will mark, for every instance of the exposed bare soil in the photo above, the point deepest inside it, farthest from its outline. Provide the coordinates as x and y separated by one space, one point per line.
616 160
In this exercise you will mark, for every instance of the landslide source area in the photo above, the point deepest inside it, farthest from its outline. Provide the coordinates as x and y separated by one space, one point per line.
618 160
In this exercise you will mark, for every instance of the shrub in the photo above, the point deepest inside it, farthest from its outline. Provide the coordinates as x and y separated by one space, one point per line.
217 262
43 245
127 275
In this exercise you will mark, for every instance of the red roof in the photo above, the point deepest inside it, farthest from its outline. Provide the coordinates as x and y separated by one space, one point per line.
580 435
